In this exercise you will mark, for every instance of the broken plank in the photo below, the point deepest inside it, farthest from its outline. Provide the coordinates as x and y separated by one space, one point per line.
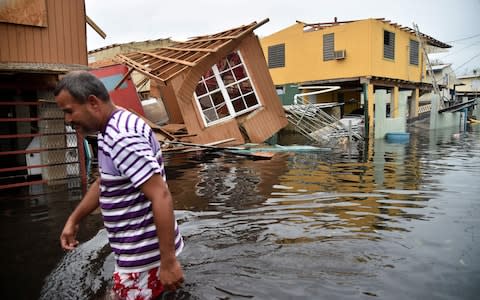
229 150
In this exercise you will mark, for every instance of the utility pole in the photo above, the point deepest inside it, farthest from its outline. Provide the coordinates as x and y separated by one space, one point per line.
436 89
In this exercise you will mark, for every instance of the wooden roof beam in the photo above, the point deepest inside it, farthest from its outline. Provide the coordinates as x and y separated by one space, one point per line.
189 49
138 67
228 37
96 27
178 61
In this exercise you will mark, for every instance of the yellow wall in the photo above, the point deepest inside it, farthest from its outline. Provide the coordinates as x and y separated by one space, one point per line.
363 42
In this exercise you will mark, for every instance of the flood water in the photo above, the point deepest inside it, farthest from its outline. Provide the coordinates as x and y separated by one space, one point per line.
398 221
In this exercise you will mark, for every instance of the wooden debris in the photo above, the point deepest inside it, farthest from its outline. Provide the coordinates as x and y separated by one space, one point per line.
229 150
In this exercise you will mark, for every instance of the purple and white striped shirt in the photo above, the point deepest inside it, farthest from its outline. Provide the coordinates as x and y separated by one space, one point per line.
128 155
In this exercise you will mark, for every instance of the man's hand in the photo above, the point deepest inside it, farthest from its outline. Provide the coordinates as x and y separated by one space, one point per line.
171 275
68 237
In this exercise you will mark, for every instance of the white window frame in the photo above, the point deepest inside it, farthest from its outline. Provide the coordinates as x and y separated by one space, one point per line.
228 101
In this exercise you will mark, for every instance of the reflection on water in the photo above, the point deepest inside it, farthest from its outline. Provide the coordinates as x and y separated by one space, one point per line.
397 221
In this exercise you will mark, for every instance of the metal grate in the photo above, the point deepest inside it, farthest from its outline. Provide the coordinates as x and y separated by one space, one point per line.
35 145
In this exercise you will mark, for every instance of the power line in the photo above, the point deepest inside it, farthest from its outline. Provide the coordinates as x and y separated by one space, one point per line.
455 52
462 39
475 56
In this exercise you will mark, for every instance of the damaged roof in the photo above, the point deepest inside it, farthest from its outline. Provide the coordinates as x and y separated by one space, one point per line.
165 63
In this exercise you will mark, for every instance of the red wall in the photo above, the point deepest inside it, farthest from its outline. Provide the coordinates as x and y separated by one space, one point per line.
126 95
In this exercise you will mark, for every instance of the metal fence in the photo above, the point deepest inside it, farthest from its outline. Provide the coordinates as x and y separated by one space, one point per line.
36 148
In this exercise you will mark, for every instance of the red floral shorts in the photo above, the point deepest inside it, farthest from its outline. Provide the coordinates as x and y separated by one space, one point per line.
137 286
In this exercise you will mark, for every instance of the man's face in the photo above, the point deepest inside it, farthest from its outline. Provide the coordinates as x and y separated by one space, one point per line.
80 116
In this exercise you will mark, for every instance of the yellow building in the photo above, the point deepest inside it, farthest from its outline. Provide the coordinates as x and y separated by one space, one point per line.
358 56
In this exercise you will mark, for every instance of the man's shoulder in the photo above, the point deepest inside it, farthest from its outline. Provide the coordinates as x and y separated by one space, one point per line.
126 122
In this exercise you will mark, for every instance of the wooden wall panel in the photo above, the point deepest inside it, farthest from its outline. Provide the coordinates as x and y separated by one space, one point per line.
225 130
263 123
170 100
63 41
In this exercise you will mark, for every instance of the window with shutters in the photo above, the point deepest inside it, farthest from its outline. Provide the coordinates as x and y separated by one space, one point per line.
388 44
276 56
225 91
328 47
414 52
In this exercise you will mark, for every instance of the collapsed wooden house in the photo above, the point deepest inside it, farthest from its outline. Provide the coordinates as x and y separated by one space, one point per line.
217 86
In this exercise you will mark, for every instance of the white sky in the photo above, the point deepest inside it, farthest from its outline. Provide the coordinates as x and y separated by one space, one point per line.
456 22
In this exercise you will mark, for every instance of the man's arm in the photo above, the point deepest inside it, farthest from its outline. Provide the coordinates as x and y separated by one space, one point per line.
88 204
155 189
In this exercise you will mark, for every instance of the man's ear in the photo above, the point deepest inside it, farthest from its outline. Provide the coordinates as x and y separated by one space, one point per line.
93 101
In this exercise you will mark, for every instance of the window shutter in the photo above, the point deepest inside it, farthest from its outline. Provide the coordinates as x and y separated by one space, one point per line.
414 52
276 56
328 46
388 44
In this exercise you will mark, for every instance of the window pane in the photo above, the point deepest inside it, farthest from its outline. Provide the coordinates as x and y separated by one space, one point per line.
217 98
233 59
246 87
222 110
212 84
201 89
205 102
208 74
210 115
233 91
239 73
238 105
227 77
251 100
222 65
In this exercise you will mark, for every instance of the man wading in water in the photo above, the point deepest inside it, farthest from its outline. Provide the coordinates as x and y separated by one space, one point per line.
132 193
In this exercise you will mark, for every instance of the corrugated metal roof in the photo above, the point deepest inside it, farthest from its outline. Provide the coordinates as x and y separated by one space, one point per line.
167 62
440 67
469 76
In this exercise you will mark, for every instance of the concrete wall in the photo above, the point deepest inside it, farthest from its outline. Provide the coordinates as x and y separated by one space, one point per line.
443 120
384 124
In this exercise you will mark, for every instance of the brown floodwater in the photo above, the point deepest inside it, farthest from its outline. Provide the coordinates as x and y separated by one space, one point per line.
393 221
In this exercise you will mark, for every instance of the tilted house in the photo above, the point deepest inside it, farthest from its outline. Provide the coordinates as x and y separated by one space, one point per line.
217 85
359 56
39 40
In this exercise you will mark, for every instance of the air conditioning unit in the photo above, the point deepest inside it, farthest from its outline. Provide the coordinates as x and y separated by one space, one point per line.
340 54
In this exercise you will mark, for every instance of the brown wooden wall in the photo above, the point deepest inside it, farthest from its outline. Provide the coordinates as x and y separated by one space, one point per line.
63 41
261 124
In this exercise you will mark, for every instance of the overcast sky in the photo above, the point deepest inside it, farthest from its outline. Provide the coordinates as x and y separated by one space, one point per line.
456 22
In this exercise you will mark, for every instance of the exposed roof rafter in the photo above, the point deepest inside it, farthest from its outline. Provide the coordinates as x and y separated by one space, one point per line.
165 63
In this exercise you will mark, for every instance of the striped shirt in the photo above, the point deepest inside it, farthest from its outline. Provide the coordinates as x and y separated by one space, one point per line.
128 155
